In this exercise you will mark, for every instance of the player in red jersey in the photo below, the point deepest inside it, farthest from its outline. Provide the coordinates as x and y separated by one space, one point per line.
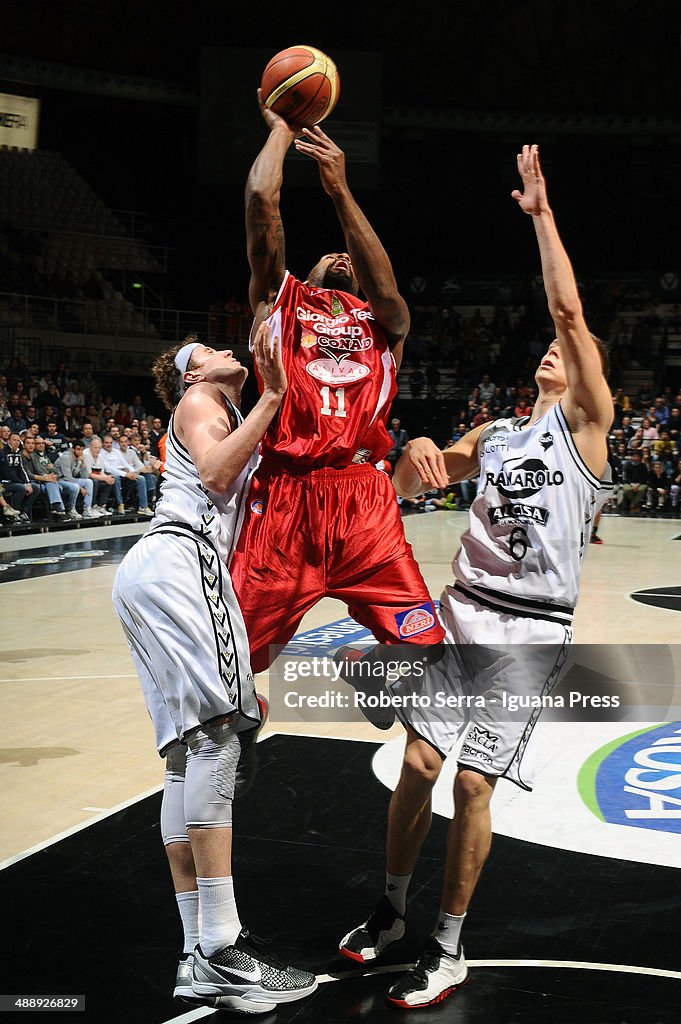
321 520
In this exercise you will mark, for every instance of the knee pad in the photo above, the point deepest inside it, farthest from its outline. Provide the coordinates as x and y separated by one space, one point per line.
173 827
212 760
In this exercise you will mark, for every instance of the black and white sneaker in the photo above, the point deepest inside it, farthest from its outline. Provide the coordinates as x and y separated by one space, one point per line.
372 698
246 978
247 767
369 940
434 976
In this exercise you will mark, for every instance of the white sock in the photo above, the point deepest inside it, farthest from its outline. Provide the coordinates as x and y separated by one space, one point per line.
188 905
447 931
396 890
220 923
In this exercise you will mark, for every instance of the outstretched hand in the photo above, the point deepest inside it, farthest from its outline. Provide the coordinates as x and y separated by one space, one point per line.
532 199
267 354
329 156
428 461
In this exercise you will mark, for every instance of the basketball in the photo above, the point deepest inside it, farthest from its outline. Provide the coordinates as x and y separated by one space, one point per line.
301 84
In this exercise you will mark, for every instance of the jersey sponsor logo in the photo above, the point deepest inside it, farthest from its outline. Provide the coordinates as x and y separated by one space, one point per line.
483 738
361 456
522 477
517 512
258 507
341 333
330 371
636 780
546 440
415 620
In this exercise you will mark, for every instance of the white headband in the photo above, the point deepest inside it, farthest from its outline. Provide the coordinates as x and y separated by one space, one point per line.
182 362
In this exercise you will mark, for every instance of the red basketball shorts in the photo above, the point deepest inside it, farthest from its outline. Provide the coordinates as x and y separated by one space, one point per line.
327 533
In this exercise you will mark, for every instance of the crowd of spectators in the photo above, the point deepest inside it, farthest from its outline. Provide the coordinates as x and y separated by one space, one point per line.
644 448
69 453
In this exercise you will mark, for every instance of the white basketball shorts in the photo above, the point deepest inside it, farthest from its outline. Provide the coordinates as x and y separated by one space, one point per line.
186 634
480 690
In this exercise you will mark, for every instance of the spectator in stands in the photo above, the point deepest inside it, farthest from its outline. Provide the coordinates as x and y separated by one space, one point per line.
628 428
645 435
482 416
660 412
137 410
155 435
44 475
30 416
17 421
674 425
659 486
399 438
73 395
486 389
634 483
144 472
87 434
117 465
4 435
50 397
72 469
103 482
15 481
94 418
675 489
54 440
66 424
62 377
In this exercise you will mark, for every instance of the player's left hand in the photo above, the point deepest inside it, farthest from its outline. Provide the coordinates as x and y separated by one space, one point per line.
428 461
329 156
267 354
532 199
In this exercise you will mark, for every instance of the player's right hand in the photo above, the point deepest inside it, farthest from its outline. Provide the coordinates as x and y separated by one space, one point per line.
267 354
272 120
428 461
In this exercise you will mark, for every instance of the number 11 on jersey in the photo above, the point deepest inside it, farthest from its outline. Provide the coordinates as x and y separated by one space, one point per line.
326 402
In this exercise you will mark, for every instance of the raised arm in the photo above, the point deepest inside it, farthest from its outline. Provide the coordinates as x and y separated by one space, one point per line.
218 452
588 400
369 259
264 229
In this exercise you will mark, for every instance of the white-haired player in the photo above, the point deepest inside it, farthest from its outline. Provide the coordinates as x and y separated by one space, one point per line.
187 638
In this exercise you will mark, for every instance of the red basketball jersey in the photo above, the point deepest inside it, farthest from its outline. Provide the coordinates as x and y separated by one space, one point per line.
341 379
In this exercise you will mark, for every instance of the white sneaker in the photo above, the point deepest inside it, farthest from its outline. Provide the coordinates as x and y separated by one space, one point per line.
145 511
71 513
434 976
91 513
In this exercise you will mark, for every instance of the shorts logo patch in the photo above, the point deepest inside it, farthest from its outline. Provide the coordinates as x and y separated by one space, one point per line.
415 620
258 507
483 738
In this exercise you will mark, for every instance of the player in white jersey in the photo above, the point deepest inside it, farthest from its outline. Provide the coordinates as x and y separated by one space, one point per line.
507 614
187 638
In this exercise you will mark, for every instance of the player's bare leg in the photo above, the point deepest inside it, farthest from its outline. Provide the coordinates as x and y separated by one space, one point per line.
469 839
409 818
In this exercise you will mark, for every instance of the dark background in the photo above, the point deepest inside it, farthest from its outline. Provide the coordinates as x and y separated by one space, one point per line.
596 84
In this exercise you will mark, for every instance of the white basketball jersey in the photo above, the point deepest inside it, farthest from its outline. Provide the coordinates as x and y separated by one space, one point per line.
186 502
531 519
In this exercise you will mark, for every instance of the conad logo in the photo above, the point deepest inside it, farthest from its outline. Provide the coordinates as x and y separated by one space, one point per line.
636 779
